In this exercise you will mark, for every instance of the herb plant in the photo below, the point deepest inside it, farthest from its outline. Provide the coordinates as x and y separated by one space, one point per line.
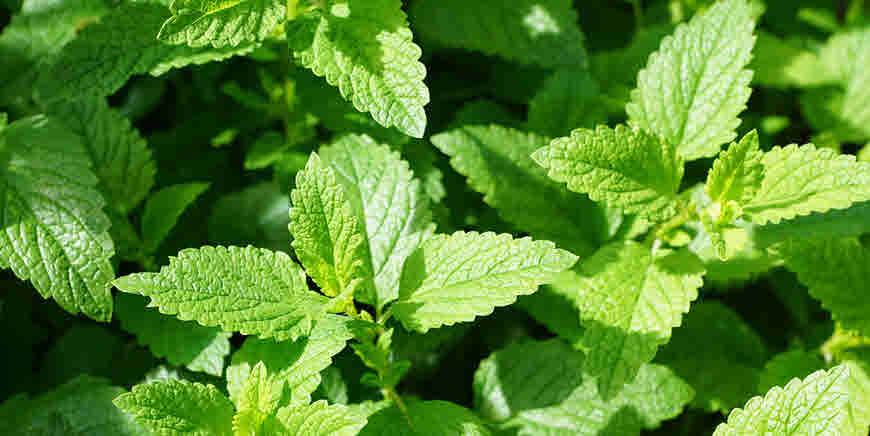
555 218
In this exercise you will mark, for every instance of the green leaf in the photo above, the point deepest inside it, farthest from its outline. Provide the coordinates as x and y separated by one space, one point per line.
784 63
122 44
256 215
259 399
822 404
783 367
327 236
163 209
496 161
317 419
61 412
182 343
121 158
836 272
801 180
425 418
622 167
389 203
178 407
543 33
455 278
695 85
200 22
37 32
55 232
554 310
526 376
853 221
655 395
294 364
629 299
737 173
718 354
250 290
365 48
377 354
569 99
266 150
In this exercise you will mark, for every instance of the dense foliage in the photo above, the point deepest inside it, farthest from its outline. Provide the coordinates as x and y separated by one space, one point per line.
435 217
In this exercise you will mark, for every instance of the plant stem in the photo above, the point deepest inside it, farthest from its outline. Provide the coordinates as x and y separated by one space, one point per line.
391 394
841 340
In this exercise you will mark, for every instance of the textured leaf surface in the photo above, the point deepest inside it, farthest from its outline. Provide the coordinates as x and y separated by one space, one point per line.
38 31
200 22
296 364
718 354
843 109
122 44
783 367
852 221
569 99
695 85
317 419
836 272
55 233
388 201
60 412
327 235
182 343
801 180
822 404
542 33
250 290
121 158
526 376
629 300
178 407
365 48
163 209
655 395
496 160
455 278
623 167
737 173
425 418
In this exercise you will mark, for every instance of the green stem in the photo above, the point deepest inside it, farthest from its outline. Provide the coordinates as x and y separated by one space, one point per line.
391 394
840 341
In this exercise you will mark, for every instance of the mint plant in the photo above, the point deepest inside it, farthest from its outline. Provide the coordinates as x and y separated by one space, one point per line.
369 217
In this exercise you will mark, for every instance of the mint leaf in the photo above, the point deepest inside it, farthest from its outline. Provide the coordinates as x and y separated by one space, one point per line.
543 33
496 161
178 407
569 99
55 231
455 278
629 299
365 48
526 376
259 399
317 419
60 412
718 354
163 209
834 271
843 109
199 22
250 290
801 180
122 44
425 418
622 167
182 343
737 173
853 221
824 403
294 364
389 203
121 158
783 367
695 85
327 235
655 395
